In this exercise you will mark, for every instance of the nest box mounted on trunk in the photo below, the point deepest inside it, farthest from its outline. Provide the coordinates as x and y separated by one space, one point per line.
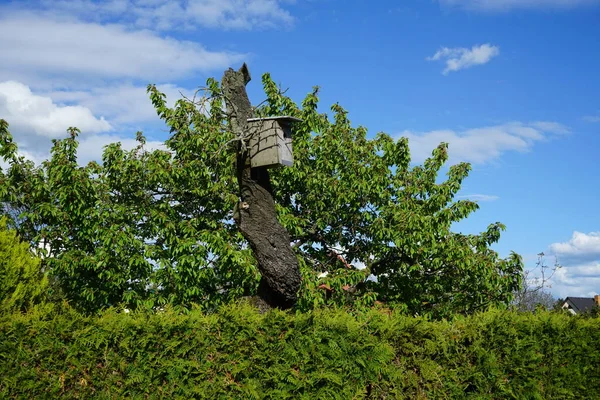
271 141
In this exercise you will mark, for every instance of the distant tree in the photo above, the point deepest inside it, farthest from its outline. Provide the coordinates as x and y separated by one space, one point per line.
533 291
594 312
557 306
157 226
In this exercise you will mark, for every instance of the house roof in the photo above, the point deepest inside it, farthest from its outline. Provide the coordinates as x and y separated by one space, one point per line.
580 304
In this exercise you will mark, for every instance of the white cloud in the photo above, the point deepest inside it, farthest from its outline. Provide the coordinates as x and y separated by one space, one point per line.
91 147
34 120
481 145
88 62
506 5
38 48
123 103
34 115
478 197
580 258
581 246
177 14
577 280
461 58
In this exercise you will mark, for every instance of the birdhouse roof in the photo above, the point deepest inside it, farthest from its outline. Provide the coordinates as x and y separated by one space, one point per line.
283 118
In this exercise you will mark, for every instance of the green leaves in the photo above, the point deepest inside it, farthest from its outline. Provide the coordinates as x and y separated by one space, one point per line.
144 225
157 225
357 198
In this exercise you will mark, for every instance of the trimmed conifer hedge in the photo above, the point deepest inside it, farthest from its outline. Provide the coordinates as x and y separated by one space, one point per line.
327 354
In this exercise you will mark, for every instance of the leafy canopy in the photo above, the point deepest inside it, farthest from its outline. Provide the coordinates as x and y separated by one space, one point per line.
154 226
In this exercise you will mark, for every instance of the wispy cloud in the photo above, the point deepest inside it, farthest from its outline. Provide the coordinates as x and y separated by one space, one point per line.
550 127
478 197
458 58
507 5
121 103
481 145
36 48
591 118
176 14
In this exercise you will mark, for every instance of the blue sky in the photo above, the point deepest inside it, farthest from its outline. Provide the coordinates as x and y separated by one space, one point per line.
512 85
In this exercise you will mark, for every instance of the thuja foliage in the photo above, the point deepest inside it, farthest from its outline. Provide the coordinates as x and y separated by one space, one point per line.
22 282
238 353
155 227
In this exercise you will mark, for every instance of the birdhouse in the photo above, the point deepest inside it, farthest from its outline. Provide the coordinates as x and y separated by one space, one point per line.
270 141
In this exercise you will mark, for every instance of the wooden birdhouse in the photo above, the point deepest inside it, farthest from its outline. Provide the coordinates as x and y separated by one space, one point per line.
270 141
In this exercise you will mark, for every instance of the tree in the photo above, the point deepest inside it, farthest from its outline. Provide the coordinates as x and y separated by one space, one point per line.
157 226
145 227
533 293
350 201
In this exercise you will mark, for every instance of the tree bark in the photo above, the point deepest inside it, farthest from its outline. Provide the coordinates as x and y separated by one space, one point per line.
255 214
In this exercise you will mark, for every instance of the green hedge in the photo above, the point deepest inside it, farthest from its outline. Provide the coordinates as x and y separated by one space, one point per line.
238 353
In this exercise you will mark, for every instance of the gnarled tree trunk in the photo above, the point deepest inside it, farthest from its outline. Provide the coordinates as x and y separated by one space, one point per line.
255 215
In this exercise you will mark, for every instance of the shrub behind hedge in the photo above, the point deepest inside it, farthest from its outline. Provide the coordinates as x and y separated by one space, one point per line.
22 282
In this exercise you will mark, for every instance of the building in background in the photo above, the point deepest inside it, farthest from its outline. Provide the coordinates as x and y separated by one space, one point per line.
580 305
